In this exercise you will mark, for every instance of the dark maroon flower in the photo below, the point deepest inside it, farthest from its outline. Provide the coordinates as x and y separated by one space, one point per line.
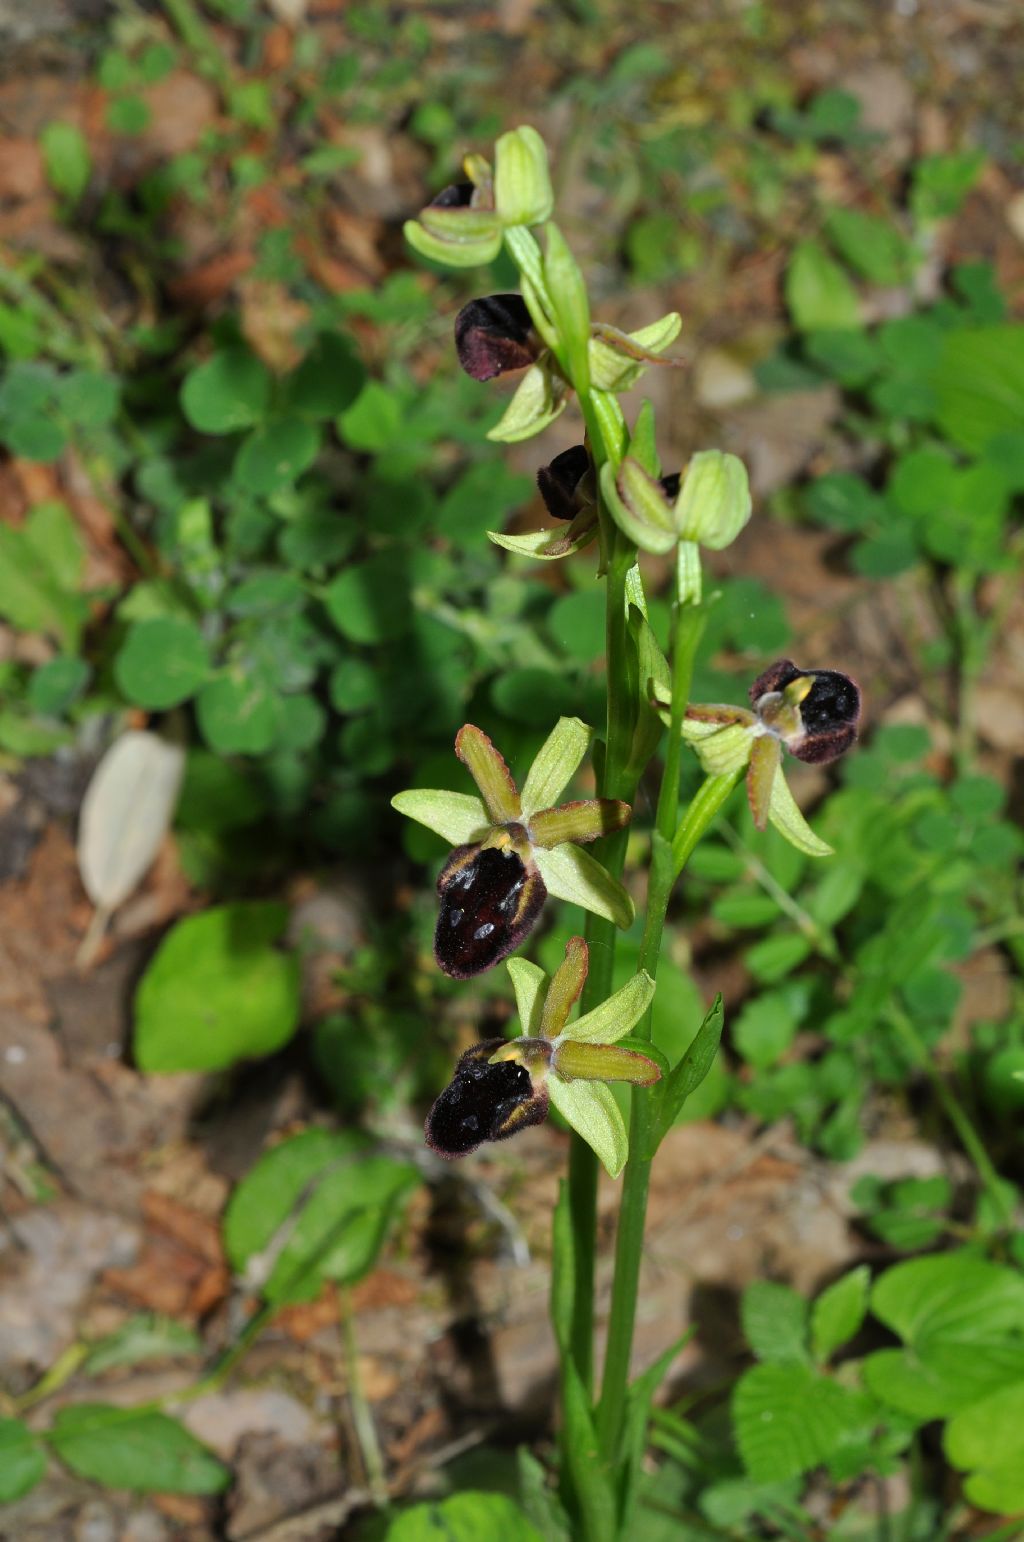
495 335
821 722
484 1102
566 485
670 485
457 195
489 903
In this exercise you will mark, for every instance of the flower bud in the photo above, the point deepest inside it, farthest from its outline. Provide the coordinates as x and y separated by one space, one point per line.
522 183
639 506
713 503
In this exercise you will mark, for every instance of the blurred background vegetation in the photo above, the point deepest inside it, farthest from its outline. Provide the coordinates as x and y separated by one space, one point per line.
244 498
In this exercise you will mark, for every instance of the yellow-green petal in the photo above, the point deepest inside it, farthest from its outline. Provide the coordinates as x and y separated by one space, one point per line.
614 1018
572 874
555 764
789 821
528 982
456 816
590 1108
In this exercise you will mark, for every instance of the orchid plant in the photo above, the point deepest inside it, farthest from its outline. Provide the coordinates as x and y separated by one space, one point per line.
514 848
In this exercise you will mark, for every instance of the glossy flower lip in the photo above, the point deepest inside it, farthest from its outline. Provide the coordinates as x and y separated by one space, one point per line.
567 483
502 1086
484 1101
495 335
515 848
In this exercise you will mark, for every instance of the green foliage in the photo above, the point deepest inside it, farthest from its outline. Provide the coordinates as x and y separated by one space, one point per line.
217 991
466 1517
961 1320
314 1208
139 1449
22 1460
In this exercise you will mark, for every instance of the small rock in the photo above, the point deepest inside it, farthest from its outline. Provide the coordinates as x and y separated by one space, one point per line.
720 380
1015 215
885 95
55 1255
222 1419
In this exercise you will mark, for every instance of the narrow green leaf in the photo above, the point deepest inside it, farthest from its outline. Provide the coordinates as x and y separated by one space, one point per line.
689 1073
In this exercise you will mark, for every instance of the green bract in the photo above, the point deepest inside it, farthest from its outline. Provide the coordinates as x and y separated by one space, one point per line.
522 182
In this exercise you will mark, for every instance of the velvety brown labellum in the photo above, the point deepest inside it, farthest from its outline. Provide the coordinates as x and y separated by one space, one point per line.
458 195
559 483
829 712
670 485
494 335
489 904
483 1102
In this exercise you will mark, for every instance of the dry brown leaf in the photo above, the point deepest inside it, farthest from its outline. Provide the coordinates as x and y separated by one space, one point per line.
271 317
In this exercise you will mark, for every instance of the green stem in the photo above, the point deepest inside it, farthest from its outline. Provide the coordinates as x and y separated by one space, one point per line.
956 1114
362 1413
688 625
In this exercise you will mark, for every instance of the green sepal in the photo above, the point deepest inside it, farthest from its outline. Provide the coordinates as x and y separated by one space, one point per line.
528 982
618 359
714 501
457 817
551 545
788 820
460 226
572 874
540 398
724 751
638 506
453 254
687 1076
590 1108
522 181
573 1061
487 767
765 761
616 1015
555 764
